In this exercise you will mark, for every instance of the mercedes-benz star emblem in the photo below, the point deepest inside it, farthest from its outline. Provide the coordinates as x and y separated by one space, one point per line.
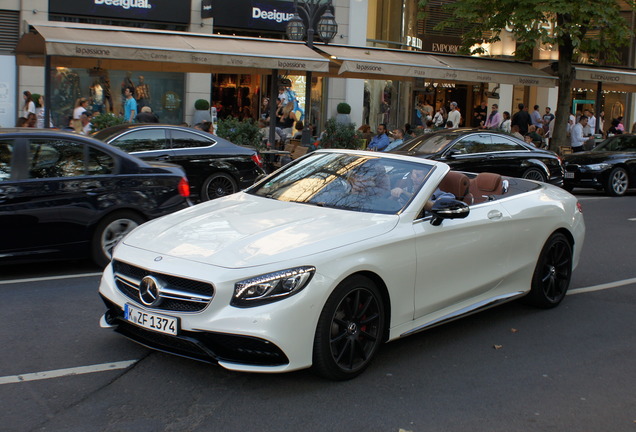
149 290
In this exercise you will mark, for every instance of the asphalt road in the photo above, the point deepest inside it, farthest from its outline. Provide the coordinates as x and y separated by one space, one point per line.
513 368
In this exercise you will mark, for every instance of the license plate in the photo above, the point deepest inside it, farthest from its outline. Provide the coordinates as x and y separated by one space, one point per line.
151 321
569 175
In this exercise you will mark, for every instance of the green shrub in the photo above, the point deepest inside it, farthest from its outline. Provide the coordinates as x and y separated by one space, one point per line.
245 133
104 120
340 135
201 105
343 108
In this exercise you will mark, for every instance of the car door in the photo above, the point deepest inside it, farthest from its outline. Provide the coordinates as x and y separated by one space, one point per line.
507 156
148 144
197 155
461 260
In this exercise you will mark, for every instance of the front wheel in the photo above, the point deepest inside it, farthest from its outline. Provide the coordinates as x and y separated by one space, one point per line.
534 174
217 186
350 329
109 232
552 274
617 183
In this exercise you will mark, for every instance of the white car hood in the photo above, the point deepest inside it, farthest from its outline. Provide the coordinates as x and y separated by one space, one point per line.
243 230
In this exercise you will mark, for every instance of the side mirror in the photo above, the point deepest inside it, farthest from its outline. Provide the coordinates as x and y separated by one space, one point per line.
446 208
452 153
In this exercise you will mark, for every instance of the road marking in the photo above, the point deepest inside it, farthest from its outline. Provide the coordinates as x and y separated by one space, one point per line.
632 219
603 286
67 372
47 278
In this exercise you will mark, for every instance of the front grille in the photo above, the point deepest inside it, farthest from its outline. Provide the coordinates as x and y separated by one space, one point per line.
177 294
203 346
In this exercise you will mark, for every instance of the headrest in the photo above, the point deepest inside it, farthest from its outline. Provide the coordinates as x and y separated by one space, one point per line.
488 182
455 183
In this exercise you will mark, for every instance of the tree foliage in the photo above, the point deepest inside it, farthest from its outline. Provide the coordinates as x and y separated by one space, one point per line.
595 28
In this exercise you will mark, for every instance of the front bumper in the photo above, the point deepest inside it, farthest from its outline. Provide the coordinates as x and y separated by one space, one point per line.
585 179
274 337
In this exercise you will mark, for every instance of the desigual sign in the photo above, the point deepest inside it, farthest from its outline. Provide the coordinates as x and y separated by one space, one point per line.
169 11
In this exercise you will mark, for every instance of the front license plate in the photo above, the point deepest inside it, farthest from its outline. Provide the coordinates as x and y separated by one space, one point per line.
151 321
569 175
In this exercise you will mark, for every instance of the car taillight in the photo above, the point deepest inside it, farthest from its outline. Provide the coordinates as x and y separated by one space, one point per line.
184 187
579 207
257 160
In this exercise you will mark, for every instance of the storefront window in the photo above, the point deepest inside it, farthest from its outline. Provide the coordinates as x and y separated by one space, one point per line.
161 91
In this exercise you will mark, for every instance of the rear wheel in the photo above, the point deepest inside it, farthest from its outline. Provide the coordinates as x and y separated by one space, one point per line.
534 174
350 329
217 186
552 274
109 232
617 183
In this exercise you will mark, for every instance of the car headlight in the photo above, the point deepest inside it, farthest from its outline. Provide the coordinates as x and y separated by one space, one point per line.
271 287
598 166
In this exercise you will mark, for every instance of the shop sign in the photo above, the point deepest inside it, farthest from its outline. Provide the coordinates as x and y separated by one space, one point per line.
441 44
414 42
169 11
270 15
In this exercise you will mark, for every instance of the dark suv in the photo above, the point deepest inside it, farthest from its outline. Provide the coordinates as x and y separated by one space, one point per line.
215 167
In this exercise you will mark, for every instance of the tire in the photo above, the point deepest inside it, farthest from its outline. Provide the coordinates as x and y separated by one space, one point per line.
534 174
217 186
347 338
109 232
617 182
552 274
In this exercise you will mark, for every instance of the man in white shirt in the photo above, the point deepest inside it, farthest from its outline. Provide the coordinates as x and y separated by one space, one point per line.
454 115
577 135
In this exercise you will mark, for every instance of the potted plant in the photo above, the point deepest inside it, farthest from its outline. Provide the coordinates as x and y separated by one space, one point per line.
104 120
243 133
201 111
343 109
340 135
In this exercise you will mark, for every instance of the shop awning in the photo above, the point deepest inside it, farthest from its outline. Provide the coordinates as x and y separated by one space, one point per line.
194 52
610 78
361 62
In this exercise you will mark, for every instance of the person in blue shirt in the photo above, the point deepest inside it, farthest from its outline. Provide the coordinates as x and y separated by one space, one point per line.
380 141
398 134
130 105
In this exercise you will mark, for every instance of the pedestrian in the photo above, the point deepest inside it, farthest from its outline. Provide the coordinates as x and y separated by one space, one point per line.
381 140
494 119
614 129
39 110
87 127
146 116
439 120
32 120
577 135
537 119
522 119
454 115
81 105
22 121
398 140
505 123
547 118
29 105
205 126
130 105
480 115
514 131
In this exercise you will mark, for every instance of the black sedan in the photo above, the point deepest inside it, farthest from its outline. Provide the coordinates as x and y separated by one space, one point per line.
65 196
476 150
215 167
611 166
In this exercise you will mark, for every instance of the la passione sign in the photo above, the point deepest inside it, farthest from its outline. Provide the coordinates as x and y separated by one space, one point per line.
169 11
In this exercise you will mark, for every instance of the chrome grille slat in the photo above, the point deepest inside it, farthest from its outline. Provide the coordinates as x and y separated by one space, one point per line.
178 294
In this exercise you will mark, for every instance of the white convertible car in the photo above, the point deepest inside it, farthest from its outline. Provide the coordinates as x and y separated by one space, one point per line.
323 261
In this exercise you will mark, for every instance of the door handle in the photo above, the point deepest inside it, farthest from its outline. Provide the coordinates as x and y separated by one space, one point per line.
163 158
494 215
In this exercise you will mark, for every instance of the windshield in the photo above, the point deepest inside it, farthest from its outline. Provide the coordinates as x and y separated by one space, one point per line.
345 181
426 144
618 143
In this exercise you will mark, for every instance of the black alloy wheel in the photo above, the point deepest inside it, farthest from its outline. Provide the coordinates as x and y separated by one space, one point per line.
534 174
218 185
350 329
617 183
552 274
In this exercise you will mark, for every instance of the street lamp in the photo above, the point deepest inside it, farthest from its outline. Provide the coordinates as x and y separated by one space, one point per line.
326 27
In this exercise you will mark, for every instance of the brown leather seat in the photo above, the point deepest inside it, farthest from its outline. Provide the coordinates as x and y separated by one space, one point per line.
485 185
457 184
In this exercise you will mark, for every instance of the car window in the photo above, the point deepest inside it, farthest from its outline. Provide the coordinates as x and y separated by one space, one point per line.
619 143
184 139
55 158
6 151
345 181
142 140
503 143
473 144
427 144
99 162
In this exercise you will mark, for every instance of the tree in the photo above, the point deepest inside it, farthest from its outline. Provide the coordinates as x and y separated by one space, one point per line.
573 27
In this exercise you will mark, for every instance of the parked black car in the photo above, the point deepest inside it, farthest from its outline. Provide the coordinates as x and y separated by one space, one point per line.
64 196
477 150
215 167
611 166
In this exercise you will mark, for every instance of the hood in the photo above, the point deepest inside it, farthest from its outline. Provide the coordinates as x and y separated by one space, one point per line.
589 157
244 230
